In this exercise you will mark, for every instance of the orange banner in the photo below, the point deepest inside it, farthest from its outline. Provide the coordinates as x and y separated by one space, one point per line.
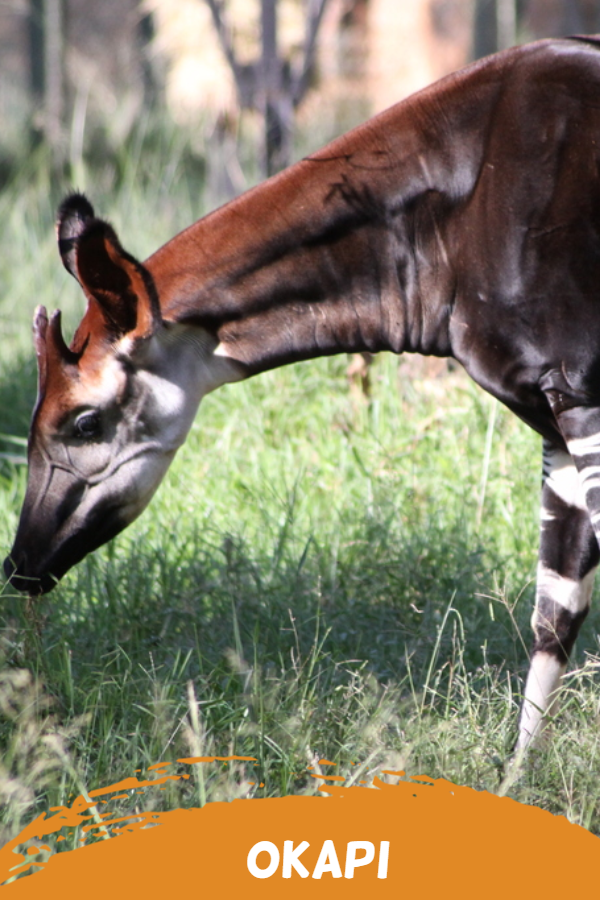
417 837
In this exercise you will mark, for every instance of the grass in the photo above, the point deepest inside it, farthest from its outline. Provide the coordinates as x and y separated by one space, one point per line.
320 575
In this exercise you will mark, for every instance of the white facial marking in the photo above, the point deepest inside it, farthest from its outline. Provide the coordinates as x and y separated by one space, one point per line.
147 408
170 410
100 388
142 395
182 367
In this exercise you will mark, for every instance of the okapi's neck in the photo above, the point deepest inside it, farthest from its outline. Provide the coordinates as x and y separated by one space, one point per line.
345 251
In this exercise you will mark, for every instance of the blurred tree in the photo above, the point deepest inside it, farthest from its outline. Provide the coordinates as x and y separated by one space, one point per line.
47 81
495 26
562 17
498 24
272 85
506 23
145 34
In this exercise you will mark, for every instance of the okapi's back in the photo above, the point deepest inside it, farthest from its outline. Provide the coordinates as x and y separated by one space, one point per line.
491 139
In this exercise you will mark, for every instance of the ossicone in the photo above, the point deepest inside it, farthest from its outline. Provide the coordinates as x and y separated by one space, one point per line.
40 329
51 349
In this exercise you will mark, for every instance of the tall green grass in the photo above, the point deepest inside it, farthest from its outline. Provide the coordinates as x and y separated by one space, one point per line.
320 575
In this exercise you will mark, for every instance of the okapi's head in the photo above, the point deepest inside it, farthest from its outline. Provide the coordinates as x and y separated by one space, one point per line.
112 407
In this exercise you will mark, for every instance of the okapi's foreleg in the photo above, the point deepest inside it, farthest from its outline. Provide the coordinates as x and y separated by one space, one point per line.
568 558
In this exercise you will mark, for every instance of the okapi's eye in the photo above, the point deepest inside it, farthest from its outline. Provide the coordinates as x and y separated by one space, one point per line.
87 426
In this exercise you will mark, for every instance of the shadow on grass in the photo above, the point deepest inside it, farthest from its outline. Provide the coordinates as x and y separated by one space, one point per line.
305 648
393 602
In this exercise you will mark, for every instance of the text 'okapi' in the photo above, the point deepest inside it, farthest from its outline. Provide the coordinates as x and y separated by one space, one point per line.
463 222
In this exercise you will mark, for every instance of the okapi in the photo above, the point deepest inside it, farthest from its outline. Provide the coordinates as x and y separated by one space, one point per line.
462 222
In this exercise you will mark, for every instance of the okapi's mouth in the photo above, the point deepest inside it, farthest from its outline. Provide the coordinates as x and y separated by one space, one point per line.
33 574
27 584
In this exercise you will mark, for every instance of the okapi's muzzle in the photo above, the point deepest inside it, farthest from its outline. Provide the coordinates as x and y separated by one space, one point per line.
38 560
23 583
15 570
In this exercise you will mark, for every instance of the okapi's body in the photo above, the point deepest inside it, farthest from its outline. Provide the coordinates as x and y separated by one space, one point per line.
463 222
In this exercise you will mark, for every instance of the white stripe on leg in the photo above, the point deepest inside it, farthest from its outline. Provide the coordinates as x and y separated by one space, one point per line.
572 595
565 575
543 681
563 478
584 446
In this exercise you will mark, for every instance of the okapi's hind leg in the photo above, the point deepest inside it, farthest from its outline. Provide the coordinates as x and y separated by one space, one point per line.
567 562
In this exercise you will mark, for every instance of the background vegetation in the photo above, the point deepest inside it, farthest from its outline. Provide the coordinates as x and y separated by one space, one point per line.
321 574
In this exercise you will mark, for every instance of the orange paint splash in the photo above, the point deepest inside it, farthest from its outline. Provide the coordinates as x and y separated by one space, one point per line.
444 840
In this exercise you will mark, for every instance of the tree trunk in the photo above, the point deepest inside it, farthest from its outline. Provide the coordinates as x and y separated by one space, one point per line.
46 66
36 68
277 99
145 36
506 23
485 36
269 85
54 77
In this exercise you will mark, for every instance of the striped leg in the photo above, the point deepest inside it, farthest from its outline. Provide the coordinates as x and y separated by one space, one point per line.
568 558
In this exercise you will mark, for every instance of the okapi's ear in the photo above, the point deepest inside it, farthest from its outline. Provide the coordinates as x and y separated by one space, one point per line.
74 214
121 287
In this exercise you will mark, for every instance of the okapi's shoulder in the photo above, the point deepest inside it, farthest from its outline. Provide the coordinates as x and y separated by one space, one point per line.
572 60
467 102
552 73
571 63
